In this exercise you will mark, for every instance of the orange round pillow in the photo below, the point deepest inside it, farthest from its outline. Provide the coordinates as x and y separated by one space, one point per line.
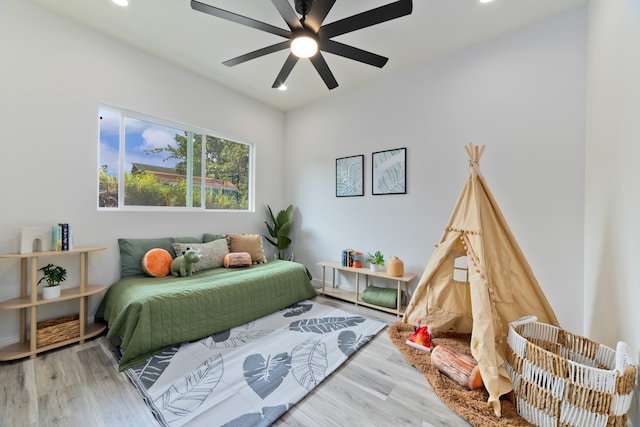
157 262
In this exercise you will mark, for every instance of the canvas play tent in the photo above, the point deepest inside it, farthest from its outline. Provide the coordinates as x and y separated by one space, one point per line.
478 280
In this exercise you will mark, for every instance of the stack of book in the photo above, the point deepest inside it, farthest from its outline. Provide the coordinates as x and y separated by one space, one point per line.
347 257
62 237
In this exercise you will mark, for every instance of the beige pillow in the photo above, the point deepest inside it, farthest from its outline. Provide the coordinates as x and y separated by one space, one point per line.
211 253
251 243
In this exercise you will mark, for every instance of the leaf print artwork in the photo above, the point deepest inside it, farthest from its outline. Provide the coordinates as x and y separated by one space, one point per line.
389 173
350 176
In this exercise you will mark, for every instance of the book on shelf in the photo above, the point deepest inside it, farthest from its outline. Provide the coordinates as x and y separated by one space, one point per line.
62 237
65 236
347 257
56 238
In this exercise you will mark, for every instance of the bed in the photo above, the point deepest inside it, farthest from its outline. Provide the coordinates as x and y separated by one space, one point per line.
150 314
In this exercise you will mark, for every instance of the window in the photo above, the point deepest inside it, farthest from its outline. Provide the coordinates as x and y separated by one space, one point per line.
162 164
460 269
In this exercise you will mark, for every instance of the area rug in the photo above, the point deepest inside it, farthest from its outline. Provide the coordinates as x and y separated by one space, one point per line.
468 404
252 374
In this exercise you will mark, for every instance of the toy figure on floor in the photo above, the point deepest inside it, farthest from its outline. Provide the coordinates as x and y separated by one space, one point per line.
421 338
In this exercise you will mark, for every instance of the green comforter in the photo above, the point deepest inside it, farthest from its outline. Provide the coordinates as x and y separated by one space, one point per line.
153 313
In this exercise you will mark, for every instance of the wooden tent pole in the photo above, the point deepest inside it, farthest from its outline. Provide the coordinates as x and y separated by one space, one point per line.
474 152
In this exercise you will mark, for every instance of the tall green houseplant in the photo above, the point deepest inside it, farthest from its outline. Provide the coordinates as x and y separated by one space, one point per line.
279 230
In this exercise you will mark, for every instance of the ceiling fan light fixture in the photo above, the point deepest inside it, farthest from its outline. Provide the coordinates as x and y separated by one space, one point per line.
304 45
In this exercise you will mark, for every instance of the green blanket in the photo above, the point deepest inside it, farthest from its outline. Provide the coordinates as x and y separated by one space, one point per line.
153 313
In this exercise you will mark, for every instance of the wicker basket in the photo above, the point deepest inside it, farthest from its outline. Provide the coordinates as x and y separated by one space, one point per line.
562 379
56 330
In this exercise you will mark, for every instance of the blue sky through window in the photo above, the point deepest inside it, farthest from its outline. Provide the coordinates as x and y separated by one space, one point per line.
140 136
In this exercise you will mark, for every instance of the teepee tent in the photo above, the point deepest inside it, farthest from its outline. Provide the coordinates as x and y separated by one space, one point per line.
478 280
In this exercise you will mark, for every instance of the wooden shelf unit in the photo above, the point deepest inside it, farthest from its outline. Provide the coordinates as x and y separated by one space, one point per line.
354 296
29 301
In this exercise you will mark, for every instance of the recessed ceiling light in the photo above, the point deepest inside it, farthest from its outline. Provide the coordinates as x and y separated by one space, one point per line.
121 2
486 1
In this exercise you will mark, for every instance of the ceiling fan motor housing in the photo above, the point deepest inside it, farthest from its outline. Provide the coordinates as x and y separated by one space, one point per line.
303 6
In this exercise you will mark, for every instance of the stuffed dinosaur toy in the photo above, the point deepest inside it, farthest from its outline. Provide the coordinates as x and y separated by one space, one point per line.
182 265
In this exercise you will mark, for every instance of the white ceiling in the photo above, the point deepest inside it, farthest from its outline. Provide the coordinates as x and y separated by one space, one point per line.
171 30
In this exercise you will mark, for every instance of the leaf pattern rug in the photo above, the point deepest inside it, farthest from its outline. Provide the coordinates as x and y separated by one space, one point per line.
251 374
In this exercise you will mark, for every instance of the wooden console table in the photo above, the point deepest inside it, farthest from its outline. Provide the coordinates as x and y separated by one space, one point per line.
354 297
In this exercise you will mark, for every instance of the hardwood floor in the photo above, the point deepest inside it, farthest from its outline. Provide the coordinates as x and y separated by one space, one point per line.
80 385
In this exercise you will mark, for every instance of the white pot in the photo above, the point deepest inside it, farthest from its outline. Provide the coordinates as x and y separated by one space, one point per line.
50 292
373 267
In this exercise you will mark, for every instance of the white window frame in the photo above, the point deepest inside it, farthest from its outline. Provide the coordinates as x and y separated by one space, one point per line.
124 113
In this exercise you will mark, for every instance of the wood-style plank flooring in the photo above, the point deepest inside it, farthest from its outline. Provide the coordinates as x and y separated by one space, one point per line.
80 385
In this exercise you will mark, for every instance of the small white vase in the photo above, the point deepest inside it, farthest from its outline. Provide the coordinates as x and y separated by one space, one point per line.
373 267
50 292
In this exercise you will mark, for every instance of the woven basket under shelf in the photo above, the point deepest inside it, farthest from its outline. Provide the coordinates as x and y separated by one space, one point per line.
562 379
56 330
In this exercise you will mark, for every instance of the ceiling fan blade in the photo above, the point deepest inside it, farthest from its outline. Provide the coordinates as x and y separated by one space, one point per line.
354 53
366 19
319 12
257 53
285 71
288 14
323 69
239 19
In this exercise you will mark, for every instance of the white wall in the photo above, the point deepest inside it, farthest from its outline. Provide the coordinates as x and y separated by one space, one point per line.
612 230
53 75
522 95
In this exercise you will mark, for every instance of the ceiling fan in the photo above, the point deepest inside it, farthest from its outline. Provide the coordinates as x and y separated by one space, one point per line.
307 36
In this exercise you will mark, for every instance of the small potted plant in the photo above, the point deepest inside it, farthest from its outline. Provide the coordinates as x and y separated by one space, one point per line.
53 275
376 260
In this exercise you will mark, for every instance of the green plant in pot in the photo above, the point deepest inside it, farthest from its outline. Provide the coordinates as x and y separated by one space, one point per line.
376 260
53 275
279 230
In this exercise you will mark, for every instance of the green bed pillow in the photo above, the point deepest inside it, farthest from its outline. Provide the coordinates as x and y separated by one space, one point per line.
186 240
207 237
132 251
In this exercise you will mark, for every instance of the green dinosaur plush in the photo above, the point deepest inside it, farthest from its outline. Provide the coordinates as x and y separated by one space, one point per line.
182 265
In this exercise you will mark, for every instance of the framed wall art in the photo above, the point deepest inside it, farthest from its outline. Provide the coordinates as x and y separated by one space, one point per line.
350 176
389 169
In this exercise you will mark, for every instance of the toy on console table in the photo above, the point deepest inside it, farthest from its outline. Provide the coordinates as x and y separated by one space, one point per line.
182 266
421 338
